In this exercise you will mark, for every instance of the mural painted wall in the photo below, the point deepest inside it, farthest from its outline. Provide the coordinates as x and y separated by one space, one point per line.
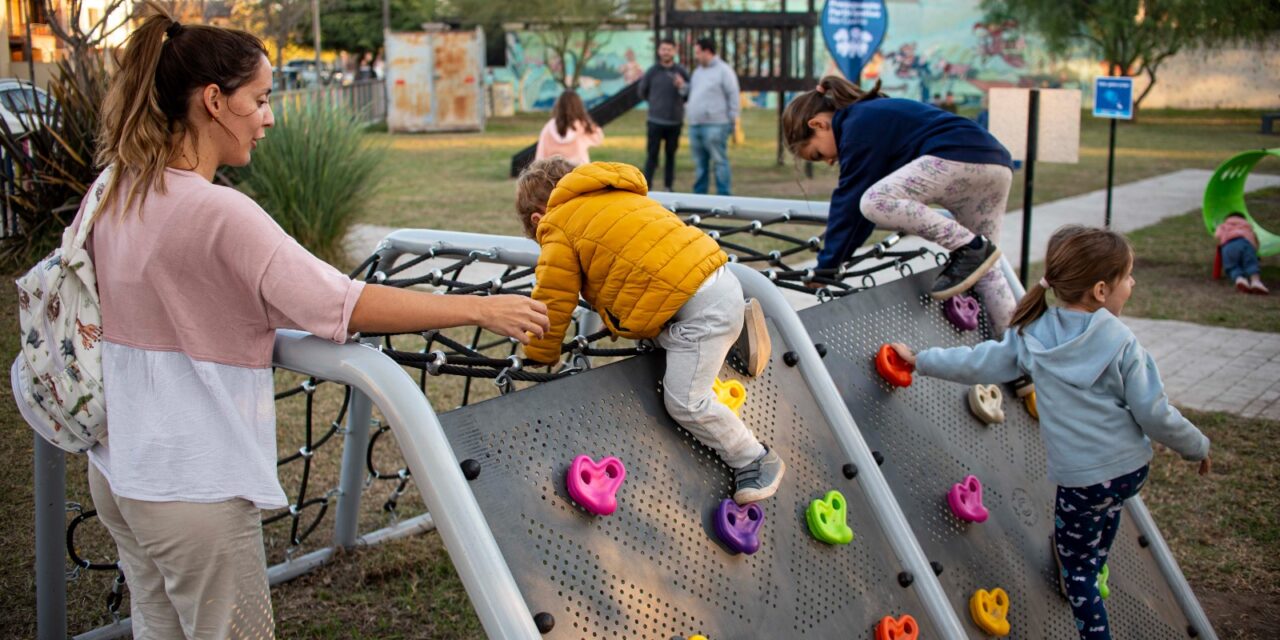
932 47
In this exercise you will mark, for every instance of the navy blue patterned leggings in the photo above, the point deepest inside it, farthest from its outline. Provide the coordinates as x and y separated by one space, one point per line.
1085 526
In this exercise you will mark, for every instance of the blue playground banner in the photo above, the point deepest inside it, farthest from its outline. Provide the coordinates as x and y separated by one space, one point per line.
853 30
1113 98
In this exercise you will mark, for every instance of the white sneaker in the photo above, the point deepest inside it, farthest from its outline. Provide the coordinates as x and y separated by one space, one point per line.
1242 285
1256 286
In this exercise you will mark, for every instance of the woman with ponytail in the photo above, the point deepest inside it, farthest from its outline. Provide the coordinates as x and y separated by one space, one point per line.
896 158
194 278
1100 400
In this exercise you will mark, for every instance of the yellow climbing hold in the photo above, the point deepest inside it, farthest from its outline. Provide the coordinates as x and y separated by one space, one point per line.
731 393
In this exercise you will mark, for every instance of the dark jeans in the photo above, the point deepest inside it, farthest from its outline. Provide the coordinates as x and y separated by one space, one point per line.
660 134
1086 520
1240 259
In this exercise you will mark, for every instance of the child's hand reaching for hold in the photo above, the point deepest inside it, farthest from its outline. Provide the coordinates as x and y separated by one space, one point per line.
904 352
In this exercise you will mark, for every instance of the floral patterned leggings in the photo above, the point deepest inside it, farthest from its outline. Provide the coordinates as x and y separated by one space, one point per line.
976 194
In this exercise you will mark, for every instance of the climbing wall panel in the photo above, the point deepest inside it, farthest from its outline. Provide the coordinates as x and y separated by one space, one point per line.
653 569
930 441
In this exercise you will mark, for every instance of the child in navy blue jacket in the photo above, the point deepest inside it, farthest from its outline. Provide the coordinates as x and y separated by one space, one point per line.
1099 396
896 158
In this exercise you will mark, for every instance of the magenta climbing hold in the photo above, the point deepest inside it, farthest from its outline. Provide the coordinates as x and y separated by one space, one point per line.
738 527
965 500
594 485
962 311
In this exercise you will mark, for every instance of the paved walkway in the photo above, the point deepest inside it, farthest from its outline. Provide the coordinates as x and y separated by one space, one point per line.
1204 368
1214 368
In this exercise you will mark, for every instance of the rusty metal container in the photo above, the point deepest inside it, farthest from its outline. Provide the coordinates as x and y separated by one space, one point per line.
435 81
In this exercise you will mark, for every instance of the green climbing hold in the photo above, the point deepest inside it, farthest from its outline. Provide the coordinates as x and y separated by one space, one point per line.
826 519
1103 589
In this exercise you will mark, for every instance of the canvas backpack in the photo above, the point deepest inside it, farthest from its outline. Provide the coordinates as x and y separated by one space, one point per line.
57 378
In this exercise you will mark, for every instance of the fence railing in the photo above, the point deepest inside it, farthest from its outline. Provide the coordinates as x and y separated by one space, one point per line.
365 97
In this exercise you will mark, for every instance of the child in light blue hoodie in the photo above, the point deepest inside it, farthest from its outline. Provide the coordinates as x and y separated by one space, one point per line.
1099 396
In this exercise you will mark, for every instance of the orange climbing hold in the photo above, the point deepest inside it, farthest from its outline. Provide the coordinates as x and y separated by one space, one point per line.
892 367
901 628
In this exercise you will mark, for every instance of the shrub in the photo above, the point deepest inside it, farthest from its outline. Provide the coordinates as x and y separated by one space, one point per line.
47 169
313 173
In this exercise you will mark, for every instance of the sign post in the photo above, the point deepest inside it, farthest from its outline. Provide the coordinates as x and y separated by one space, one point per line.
853 31
1112 98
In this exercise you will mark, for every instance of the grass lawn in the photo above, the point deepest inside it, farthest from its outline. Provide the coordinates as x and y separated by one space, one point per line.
459 181
408 588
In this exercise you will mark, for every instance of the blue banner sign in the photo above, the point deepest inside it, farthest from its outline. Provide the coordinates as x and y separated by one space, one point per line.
1113 98
853 30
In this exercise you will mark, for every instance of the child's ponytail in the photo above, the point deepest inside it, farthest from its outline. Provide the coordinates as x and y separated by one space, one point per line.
1078 258
833 93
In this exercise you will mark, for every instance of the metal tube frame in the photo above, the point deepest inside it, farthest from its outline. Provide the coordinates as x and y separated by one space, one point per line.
485 576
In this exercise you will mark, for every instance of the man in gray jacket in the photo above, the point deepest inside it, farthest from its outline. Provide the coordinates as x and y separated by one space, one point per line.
664 86
713 111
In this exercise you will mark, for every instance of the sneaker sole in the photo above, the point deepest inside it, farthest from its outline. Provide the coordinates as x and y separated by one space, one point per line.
1057 562
754 345
1244 288
764 493
968 282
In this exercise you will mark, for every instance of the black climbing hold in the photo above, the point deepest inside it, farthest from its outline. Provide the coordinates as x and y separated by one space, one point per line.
470 469
790 359
879 457
905 579
850 470
1143 541
545 622
937 567
821 348
1191 631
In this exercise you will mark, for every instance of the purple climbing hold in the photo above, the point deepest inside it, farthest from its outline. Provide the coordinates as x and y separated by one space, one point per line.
738 527
962 311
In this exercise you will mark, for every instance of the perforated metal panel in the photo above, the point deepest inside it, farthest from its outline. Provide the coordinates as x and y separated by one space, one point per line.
653 568
930 441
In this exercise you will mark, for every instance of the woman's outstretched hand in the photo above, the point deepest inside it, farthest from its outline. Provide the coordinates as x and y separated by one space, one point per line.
514 316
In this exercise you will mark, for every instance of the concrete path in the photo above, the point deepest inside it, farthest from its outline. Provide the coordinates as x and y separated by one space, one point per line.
1214 368
1204 368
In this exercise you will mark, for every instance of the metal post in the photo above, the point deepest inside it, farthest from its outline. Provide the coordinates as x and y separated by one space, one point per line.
346 525
1111 170
892 521
51 578
1169 568
1029 183
462 525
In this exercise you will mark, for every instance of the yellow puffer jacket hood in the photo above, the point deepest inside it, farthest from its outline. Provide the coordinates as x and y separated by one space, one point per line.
633 261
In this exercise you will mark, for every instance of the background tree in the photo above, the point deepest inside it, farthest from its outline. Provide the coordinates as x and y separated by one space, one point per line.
356 25
571 31
279 20
1134 37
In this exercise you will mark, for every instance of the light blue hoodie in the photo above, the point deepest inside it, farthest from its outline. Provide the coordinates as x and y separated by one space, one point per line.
1098 392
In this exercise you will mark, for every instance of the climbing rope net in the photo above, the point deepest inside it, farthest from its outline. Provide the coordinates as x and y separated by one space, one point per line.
474 355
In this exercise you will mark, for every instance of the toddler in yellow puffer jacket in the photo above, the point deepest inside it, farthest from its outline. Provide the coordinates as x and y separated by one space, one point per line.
648 275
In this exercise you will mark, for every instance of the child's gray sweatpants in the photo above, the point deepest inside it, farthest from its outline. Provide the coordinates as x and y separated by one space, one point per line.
697 340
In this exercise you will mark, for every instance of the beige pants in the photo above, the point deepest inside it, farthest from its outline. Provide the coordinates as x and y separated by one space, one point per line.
194 570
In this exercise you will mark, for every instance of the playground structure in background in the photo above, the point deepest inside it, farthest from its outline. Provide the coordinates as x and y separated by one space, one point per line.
887 550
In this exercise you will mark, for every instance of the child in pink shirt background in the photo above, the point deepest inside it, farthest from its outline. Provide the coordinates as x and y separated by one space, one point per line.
1238 251
570 132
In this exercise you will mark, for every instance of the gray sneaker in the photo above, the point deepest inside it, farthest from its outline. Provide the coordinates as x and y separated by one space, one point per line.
759 479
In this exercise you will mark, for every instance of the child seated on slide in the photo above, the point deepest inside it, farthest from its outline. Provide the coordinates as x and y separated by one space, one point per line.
1100 400
648 275
1238 250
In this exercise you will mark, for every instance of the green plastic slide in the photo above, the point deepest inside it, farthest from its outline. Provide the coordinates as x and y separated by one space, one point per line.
1225 195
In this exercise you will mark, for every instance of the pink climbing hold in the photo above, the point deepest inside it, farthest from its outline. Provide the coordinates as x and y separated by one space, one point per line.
965 500
594 485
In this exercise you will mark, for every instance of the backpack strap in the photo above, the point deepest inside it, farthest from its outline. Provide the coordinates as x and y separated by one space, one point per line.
92 202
